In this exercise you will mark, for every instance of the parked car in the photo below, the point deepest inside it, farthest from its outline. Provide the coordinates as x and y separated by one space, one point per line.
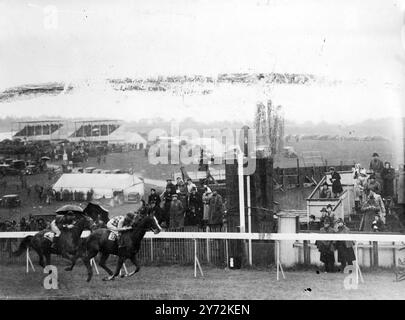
10 201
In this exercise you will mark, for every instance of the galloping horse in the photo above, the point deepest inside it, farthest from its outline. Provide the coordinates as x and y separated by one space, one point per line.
99 241
69 244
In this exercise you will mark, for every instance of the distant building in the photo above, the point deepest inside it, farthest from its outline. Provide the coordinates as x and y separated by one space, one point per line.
41 130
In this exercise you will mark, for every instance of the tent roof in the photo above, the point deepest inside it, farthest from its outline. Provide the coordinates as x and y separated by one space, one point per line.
122 135
96 181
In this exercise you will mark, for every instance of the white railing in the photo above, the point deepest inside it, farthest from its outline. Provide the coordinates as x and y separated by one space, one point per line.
277 237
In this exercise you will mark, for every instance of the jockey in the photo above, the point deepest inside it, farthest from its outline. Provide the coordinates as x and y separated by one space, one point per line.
60 221
120 223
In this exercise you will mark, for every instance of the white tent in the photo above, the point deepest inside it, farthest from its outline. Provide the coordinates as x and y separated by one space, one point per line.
121 135
6 135
103 185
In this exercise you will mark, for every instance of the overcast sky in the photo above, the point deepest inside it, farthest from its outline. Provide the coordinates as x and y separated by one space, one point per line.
358 42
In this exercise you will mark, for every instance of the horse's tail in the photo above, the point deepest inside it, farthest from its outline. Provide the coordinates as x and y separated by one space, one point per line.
23 246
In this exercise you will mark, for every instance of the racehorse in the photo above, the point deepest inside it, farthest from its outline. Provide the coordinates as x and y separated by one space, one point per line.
99 241
69 244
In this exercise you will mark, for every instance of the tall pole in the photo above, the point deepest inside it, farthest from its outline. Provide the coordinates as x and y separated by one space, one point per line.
241 193
249 217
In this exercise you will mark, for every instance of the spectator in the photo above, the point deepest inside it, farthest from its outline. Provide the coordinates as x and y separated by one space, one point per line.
373 185
327 213
378 224
181 190
327 248
344 248
206 206
313 225
376 166
388 176
336 184
23 224
157 212
176 213
216 210
381 205
32 224
153 197
167 199
143 209
190 185
370 208
360 183
171 186
325 192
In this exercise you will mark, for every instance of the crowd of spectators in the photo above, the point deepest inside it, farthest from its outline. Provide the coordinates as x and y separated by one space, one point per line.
182 204
29 223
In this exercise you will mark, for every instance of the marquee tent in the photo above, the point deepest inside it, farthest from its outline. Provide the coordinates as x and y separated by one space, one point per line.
103 185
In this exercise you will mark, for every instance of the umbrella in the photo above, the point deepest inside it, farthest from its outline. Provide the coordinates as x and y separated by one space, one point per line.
45 158
69 207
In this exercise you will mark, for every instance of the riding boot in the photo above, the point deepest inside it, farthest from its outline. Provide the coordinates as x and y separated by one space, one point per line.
54 245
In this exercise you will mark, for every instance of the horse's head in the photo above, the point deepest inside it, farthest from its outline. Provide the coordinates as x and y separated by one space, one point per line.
148 223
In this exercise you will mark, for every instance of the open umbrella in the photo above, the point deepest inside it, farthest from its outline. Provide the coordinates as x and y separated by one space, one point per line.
69 207
45 158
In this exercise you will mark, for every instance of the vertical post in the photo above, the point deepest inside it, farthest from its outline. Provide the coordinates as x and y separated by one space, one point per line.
226 248
298 172
375 254
278 258
241 193
249 218
26 258
151 249
357 262
207 229
195 258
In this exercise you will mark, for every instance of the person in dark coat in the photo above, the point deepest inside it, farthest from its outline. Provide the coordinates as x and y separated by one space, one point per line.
373 185
171 187
345 250
165 204
378 224
176 213
325 192
376 166
327 248
336 184
157 212
154 197
388 176
194 207
216 210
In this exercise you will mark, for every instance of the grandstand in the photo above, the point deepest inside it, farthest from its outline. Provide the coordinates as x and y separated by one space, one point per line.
41 130
94 130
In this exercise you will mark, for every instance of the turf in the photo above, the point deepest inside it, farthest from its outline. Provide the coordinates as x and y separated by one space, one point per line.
178 282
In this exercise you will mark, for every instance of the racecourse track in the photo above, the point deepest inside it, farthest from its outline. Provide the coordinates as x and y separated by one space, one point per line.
178 282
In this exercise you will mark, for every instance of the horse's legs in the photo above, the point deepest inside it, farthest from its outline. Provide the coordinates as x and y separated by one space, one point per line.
48 258
73 260
102 263
41 257
137 267
86 260
120 262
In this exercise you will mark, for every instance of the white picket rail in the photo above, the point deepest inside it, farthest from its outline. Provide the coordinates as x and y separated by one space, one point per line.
277 237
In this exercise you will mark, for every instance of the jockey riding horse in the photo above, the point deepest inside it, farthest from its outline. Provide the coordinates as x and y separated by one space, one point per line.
64 238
